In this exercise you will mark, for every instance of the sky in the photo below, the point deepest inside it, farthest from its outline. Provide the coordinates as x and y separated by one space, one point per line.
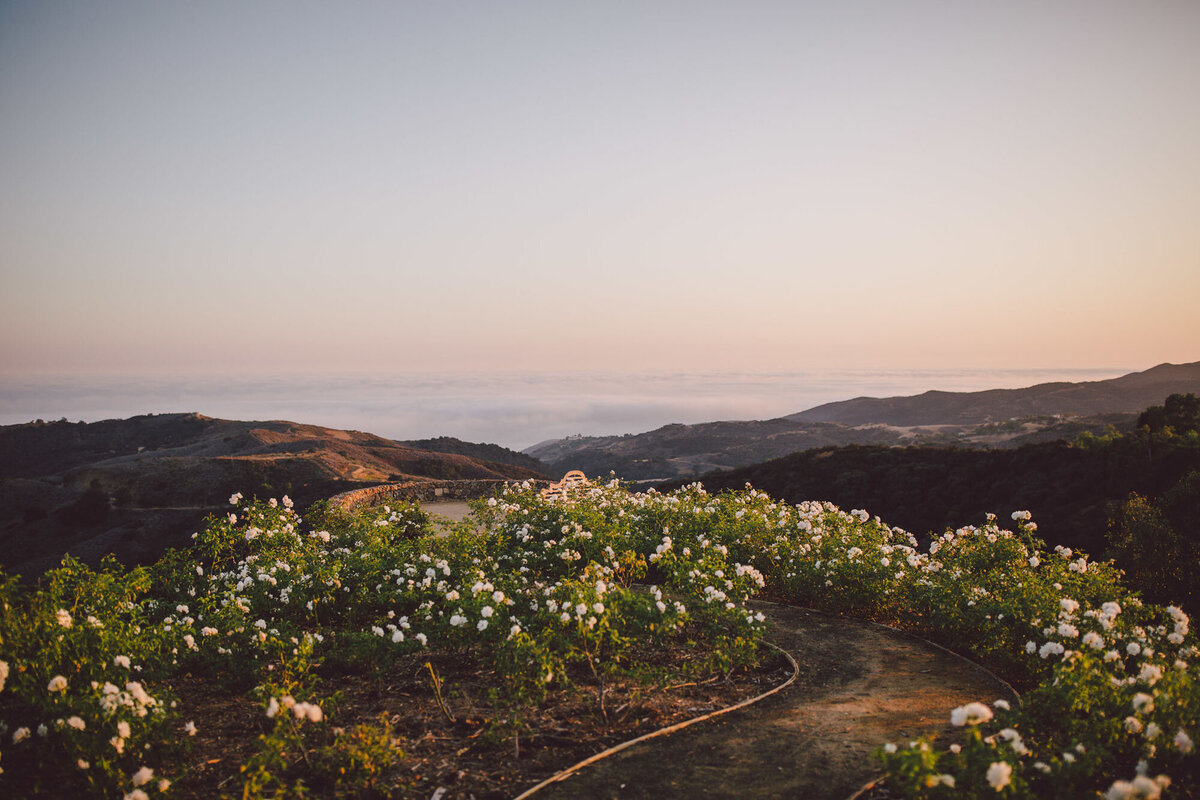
371 187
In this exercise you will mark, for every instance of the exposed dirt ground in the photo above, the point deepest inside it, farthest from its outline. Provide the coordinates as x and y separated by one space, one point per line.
453 510
477 755
861 685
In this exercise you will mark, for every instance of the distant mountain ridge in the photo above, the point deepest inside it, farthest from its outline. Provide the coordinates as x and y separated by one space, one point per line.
1127 393
990 418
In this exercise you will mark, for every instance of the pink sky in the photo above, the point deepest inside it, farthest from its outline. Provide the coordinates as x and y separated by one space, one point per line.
242 187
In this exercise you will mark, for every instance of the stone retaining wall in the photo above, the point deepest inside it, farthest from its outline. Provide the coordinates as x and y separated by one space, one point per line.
414 491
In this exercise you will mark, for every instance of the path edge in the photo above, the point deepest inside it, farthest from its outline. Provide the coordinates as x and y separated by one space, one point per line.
908 634
857 795
571 770
863 790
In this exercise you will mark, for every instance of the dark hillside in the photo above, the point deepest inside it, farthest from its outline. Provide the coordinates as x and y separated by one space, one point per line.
484 452
692 449
1069 489
48 448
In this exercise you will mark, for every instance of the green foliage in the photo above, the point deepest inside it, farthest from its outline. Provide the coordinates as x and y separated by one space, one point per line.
578 592
1180 414
359 762
1153 554
275 770
77 651
1181 504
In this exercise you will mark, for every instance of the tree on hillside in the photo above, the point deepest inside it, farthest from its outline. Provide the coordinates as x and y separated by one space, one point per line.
1181 505
1180 413
1154 554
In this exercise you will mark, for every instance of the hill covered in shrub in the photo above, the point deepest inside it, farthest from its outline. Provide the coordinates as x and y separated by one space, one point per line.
1119 494
134 487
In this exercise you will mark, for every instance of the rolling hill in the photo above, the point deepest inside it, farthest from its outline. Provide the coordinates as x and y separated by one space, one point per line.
483 452
1089 398
997 418
135 486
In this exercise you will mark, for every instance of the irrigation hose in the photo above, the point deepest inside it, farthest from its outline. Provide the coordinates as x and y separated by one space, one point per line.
571 770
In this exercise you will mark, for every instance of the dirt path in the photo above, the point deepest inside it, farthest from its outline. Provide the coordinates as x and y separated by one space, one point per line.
445 514
860 685
454 510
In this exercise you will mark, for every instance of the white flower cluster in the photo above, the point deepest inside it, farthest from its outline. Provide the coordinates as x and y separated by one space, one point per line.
970 714
563 572
301 711
1141 787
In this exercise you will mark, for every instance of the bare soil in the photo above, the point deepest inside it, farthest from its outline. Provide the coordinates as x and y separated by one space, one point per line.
860 685
485 752
453 510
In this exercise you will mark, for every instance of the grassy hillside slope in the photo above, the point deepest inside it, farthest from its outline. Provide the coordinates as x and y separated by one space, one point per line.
138 485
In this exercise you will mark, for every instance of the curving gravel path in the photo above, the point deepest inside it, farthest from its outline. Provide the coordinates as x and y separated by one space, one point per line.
860 685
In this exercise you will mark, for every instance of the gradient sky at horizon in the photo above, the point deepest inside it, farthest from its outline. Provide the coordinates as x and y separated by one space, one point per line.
387 187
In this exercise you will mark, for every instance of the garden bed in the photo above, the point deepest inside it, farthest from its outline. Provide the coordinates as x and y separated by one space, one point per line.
485 752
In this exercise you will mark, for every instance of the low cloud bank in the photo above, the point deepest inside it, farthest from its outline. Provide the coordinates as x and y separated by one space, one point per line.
514 410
